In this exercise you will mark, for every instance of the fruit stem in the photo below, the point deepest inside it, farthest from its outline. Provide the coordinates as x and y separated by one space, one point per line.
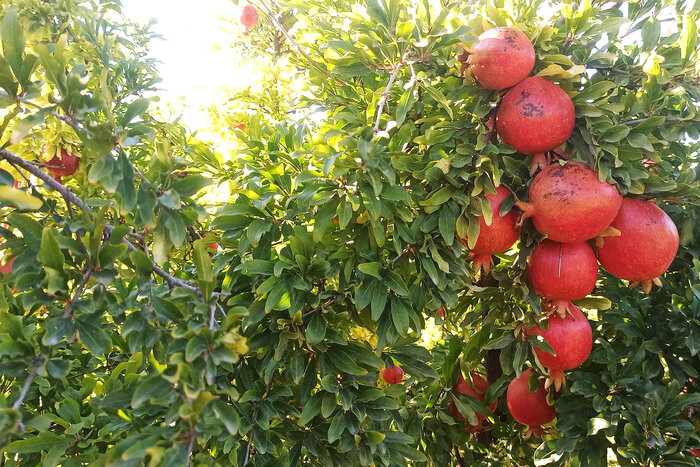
528 211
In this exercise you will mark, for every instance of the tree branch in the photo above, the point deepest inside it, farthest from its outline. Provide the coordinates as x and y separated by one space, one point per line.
668 119
24 390
69 196
385 95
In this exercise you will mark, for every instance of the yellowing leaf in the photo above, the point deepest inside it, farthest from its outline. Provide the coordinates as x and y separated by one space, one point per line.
556 71
19 198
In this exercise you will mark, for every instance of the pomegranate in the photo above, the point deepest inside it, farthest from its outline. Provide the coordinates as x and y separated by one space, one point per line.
695 452
562 272
529 408
392 375
501 58
480 385
570 204
535 116
441 312
571 339
646 246
7 267
497 237
64 165
249 17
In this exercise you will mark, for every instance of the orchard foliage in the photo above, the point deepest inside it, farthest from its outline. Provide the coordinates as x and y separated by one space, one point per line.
126 340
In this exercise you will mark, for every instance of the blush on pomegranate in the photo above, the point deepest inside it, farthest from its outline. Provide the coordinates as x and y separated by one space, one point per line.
480 385
249 17
571 339
535 116
646 246
497 237
392 375
501 58
570 204
64 165
562 272
529 408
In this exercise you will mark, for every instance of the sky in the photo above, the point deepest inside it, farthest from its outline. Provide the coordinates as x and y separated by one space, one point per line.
197 62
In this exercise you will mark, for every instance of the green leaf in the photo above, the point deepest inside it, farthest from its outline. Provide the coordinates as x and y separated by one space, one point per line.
399 315
396 283
371 269
615 133
311 408
50 254
134 109
41 442
202 262
13 42
639 140
439 98
228 416
22 127
150 387
337 427
403 106
126 192
175 227
316 330
92 335
19 198
689 37
651 31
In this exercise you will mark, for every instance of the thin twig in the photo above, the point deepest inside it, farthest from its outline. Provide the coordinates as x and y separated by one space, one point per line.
189 448
78 293
212 312
24 390
69 196
247 449
385 96
668 119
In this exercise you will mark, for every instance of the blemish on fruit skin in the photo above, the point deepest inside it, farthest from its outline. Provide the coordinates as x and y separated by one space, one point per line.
532 110
523 95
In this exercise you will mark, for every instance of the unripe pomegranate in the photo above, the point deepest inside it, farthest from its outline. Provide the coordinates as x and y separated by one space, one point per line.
571 339
529 408
570 204
497 237
562 272
64 165
535 116
477 391
392 375
646 246
249 17
501 58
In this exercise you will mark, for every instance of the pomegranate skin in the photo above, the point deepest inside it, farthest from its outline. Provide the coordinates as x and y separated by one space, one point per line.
535 116
562 271
529 408
647 244
392 375
249 17
570 204
477 391
571 338
501 58
497 237
63 166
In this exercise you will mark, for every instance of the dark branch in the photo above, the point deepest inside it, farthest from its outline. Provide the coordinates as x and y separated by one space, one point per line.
24 390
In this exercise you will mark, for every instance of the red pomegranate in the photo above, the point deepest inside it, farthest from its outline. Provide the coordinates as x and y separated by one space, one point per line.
501 58
441 312
562 272
695 452
535 116
529 408
646 246
571 339
497 237
477 391
570 204
249 17
7 267
392 375
64 165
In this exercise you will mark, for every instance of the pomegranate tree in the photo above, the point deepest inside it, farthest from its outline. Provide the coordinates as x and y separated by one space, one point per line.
529 408
562 272
646 246
501 58
249 17
535 116
392 375
571 339
497 237
477 390
570 204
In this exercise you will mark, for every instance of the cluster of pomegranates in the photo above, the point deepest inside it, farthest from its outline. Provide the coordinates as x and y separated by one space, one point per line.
635 240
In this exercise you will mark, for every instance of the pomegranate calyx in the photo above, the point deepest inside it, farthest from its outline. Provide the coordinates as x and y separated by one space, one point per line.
539 161
562 308
646 284
557 378
484 262
609 231
533 431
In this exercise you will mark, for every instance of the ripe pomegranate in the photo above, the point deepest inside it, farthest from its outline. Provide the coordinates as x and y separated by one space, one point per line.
7 267
392 375
497 237
64 165
441 312
562 272
646 246
477 391
535 116
570 204
529 408
695 452
571 339
213 246
249 17
501 58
